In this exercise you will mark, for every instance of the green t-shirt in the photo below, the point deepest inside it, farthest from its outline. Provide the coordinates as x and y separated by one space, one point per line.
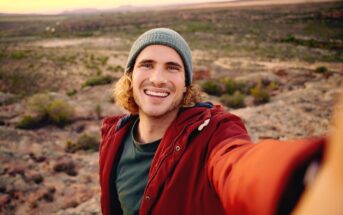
132 172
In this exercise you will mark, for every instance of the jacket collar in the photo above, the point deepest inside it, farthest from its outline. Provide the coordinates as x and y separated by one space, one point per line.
124 120
186 115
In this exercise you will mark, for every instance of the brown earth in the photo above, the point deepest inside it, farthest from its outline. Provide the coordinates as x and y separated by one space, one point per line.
37 175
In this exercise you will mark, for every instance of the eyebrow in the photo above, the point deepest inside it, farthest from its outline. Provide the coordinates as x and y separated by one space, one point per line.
146 61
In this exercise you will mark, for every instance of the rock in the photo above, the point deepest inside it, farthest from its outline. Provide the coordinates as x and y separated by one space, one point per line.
43 193
201 74
49 194
4 199
67 165
13 192
16 168
90 207
37 159
7 98
280 72
70 203
2 187
78 126
33 176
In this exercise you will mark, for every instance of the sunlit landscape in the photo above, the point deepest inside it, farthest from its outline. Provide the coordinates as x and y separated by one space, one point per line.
279 67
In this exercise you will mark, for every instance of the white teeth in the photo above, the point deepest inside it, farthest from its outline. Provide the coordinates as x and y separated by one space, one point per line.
159 94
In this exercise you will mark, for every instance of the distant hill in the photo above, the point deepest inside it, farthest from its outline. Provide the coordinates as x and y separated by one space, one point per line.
239 3
123 8
216 4
81 11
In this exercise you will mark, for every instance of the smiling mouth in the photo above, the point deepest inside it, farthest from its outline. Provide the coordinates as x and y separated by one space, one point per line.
156 94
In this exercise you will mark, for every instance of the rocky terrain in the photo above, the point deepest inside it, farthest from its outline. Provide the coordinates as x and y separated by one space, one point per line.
51 167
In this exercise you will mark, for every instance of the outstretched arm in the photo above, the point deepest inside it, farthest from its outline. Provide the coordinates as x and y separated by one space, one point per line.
325 194
254 178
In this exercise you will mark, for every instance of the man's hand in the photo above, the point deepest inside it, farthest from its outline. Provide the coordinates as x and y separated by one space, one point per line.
325 194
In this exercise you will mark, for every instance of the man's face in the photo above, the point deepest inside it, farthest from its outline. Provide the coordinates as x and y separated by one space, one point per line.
158 80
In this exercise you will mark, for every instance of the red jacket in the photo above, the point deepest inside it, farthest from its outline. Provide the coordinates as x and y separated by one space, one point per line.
206 164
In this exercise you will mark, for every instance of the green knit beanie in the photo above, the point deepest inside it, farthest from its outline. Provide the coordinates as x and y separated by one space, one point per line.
167 37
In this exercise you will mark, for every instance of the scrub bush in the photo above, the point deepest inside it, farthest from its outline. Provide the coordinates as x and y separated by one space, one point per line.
321 70
273 86
117 68
39 103
98 111
211 87
231 86
260 95
20 81
18 55
72 92
234 101
60 112
98 80
28 122
85 142
103 60
45 109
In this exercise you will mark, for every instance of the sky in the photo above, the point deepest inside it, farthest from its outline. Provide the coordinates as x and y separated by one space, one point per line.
56 6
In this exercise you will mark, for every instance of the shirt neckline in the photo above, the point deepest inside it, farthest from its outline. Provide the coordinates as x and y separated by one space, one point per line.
146 147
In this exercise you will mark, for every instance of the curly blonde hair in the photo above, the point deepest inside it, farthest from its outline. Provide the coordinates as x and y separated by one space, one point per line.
123 94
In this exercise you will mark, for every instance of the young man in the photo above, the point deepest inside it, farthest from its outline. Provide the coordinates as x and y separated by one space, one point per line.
175 155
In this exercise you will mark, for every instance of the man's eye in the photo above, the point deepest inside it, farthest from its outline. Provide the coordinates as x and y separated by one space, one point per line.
146 65
174 68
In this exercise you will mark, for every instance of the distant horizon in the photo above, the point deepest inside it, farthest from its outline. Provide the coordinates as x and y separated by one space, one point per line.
52 7
56 7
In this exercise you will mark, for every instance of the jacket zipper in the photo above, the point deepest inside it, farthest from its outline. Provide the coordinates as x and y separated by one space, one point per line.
166 155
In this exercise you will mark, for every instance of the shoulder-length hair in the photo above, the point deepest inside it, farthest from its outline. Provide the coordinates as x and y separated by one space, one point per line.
123 94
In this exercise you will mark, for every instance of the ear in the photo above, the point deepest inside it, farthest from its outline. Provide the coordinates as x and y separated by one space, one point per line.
184 89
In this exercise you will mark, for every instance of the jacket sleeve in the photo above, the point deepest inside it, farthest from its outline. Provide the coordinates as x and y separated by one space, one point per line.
250 178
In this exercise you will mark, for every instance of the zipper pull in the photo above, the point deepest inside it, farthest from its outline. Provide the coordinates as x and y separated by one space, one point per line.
204 124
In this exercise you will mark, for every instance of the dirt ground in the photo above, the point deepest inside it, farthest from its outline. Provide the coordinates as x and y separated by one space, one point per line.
30 180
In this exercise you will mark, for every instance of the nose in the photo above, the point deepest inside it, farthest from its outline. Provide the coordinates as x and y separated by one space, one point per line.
158 76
